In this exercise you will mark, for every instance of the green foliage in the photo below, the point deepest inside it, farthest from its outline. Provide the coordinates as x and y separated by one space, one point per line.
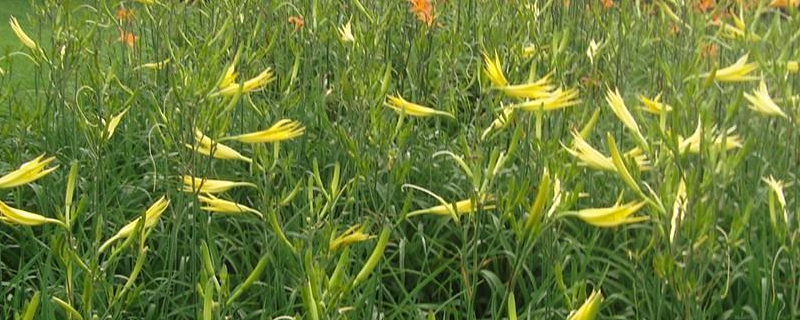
722 247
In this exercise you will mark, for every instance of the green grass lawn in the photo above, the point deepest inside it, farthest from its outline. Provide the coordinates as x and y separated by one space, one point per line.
393 159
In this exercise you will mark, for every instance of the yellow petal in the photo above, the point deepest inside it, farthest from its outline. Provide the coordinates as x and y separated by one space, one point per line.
282 130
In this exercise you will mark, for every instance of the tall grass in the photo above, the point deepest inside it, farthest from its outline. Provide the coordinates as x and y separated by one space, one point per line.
731 252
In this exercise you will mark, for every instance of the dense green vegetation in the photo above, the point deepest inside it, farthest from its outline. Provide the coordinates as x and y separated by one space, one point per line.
467 159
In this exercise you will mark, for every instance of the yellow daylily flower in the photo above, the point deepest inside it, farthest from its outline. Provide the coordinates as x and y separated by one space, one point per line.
614 100
678 210
588 155
528 51
349 237
590 308
230 76
154 65
612 216
500 122
11 215
761 102
112 125
737 72
462 207
193 184
692 143
255 84
151 216
346 32
23 37
538 89
557 99
282 130
777 188
206 146
400 105
592 50
738 30
793 66
592 158
28 172
494 70
214 204
654 106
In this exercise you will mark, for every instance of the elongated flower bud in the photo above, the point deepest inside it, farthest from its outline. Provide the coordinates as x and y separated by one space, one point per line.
590 308
23 37
251 278
374 258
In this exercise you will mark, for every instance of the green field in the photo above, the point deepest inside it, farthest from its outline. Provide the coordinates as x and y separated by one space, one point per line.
394 159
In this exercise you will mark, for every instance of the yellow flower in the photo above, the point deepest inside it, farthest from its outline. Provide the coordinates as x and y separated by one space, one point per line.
112 125
692 143
678 210
220 151
254 84
349 237
282 130
23 37
154 65
793 66
192 184
777 189
528 51
761 102
500 122
462 207
617 105
538 89
737 72
214 204
588 155
28 172
146 1
654 106
592 158
494 70
557 99
590 308
412 109
612 216
11 215
346 33
230 76
591 51
151 217
737 30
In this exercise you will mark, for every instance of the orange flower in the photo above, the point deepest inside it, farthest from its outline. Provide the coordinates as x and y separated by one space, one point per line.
674 29
706 5
298 22
709 51
423 9
784 3
124 14
607 4
128 38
